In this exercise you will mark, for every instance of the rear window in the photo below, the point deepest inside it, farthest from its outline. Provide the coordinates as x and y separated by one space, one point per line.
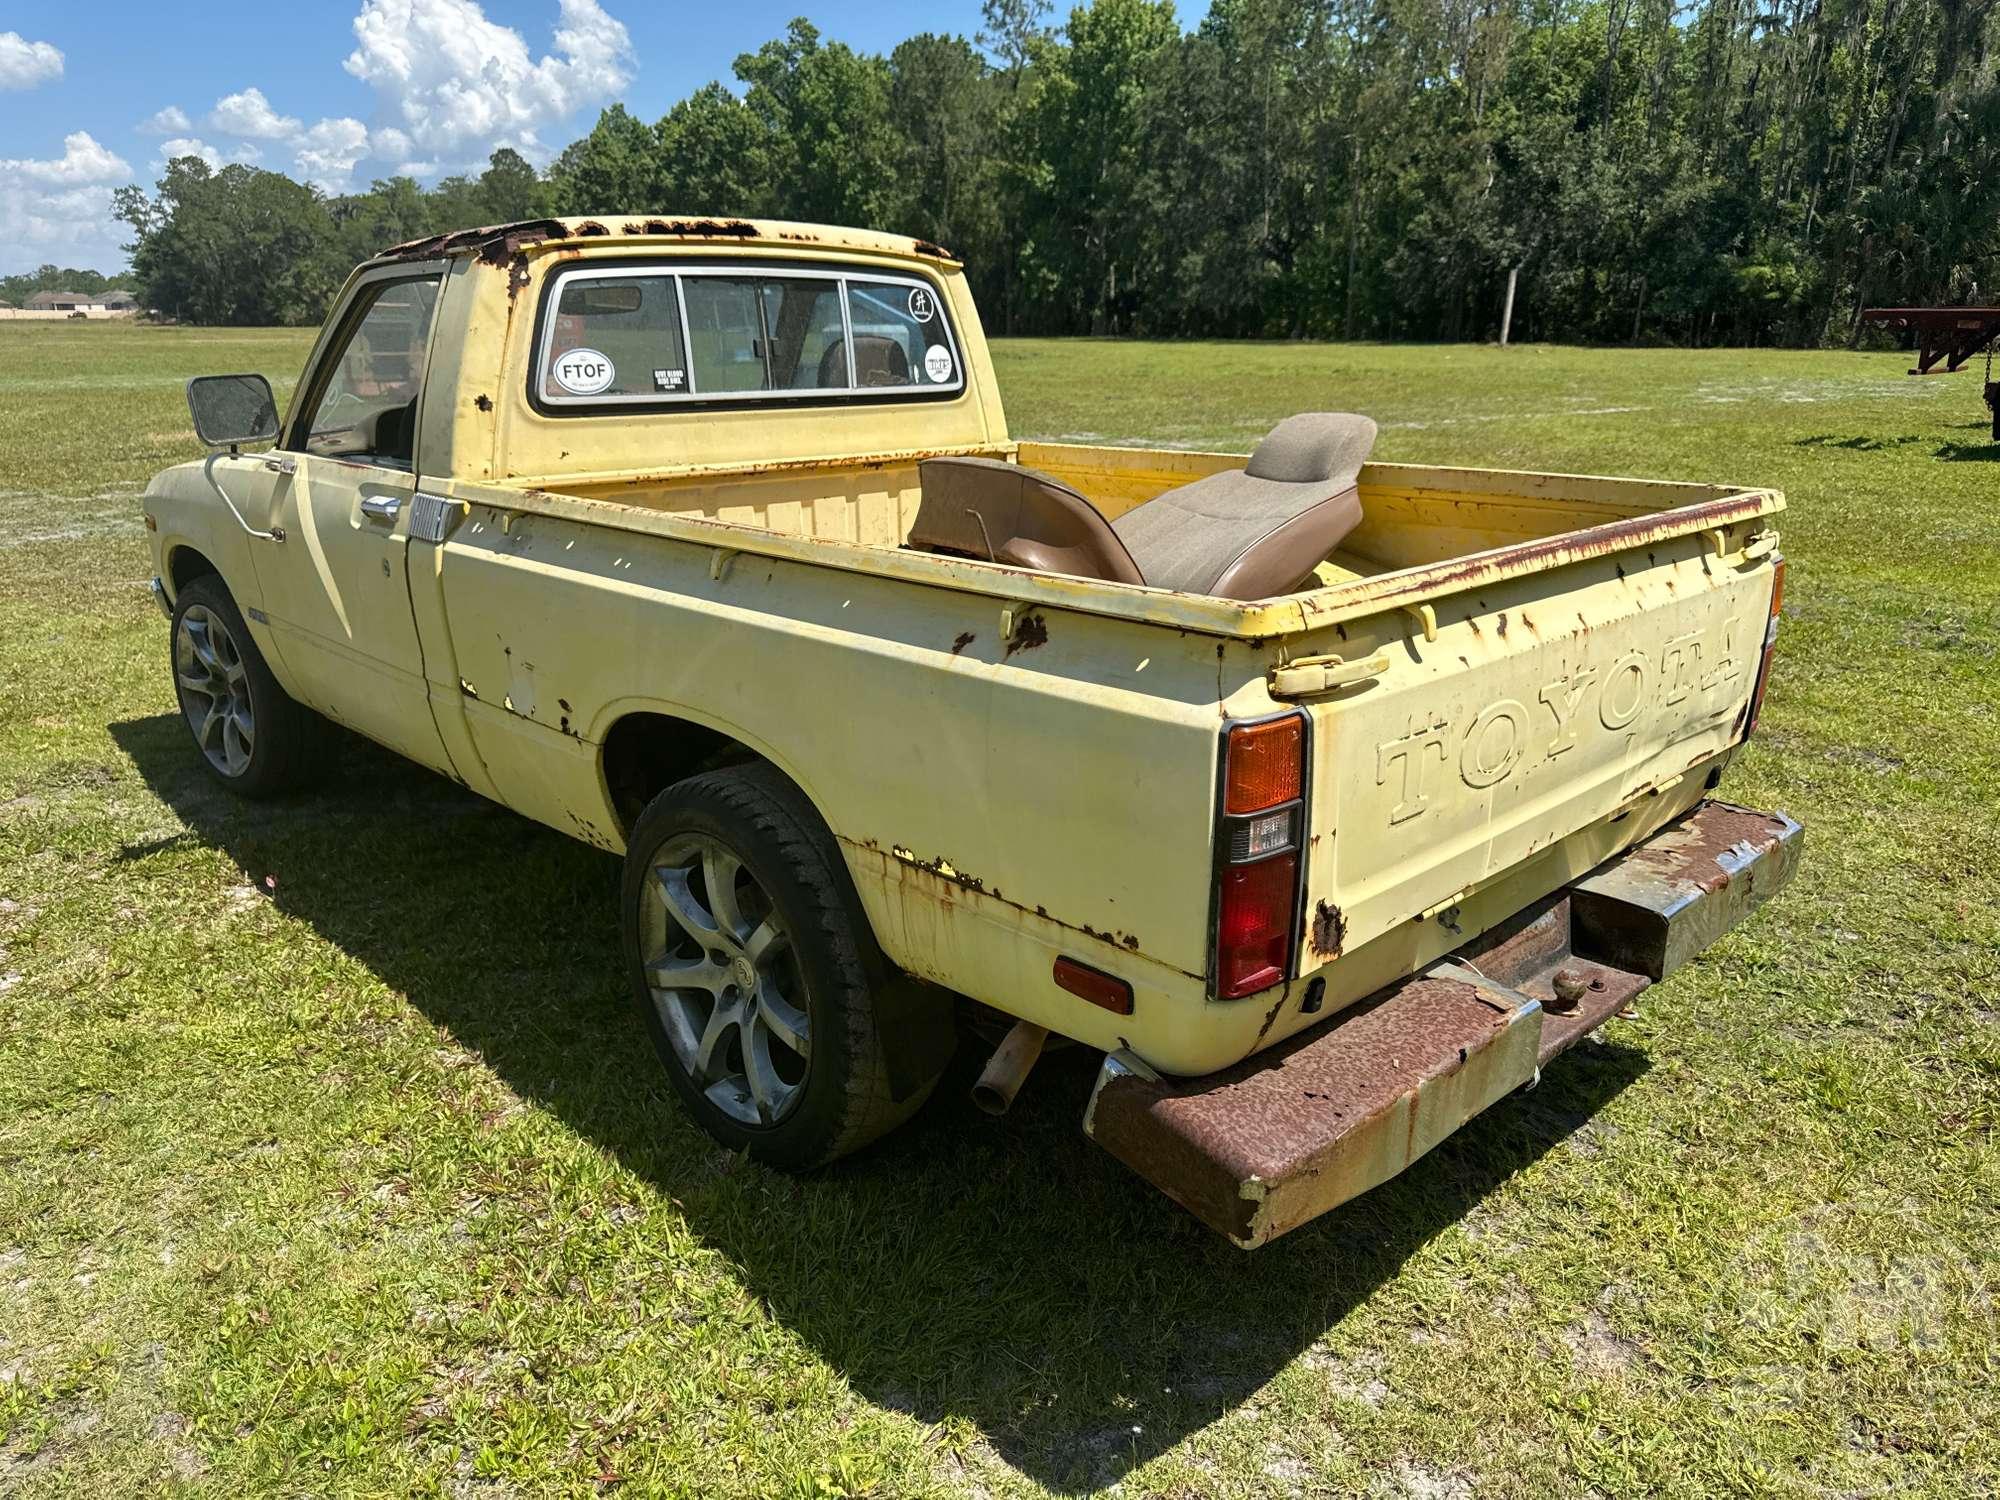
666 335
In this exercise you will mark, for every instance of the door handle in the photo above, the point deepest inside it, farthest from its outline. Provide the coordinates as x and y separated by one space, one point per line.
381 507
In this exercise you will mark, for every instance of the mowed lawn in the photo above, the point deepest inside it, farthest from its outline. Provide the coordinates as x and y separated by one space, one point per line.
333 1159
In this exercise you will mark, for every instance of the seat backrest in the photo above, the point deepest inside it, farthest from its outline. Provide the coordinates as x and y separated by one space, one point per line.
1001 512
878 361
1260 530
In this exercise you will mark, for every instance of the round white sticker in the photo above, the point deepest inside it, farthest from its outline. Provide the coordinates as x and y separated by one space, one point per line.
937 363
921 306
583 372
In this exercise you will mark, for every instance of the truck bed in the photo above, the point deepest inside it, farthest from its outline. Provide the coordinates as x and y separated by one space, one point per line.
1476 594
1424 532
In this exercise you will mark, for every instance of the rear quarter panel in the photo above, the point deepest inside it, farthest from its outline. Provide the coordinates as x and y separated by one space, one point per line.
1007 783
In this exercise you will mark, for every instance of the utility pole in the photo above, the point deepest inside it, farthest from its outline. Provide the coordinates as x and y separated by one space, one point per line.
1507 312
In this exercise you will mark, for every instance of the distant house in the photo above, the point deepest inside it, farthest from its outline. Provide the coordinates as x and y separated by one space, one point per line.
66 302
118 300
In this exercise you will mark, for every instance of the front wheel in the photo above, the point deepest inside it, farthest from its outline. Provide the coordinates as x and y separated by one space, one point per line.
253 736
756 971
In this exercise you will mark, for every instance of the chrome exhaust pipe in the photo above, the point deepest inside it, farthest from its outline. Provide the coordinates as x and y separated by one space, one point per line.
1008 1067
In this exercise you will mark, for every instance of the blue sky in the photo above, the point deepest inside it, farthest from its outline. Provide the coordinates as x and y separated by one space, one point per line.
342 91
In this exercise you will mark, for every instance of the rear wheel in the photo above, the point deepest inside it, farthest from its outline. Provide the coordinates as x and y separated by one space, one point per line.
252 735
756 971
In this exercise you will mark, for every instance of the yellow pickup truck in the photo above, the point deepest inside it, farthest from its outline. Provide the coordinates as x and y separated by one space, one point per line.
1328 799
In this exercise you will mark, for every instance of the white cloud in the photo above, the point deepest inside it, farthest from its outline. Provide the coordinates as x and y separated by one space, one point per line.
446 79
82 161
327 153
172 120
180 145
190 145
250 113
72 226
452 78
23 63
60 208
449 85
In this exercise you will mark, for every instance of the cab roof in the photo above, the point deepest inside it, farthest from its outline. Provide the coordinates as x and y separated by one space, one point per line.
499 243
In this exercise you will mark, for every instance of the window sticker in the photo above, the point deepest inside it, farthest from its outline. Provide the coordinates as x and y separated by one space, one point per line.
669 380
937 363
921 306
584 372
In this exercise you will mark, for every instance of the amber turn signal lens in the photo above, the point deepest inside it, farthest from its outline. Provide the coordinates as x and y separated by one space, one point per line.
1266 765
1099 988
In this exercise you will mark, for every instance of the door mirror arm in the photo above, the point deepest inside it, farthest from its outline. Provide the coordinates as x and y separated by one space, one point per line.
276 533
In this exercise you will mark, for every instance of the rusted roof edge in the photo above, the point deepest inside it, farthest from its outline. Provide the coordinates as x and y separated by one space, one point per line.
497 243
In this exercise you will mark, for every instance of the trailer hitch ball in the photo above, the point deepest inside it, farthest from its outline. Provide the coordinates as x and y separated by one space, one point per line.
1570 986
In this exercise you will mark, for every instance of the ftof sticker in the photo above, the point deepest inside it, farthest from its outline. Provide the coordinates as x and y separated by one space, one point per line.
584 372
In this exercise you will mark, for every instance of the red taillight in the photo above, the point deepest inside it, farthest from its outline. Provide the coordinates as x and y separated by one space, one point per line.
1099 988
1253 925
1265 765
1770 640
1257 836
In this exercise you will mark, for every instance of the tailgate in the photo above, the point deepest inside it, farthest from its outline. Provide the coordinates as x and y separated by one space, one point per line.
1544 704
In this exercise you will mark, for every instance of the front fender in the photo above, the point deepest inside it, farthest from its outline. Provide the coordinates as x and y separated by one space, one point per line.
183 514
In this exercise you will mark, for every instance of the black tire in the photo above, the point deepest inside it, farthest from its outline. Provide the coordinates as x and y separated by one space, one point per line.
824 965
274 754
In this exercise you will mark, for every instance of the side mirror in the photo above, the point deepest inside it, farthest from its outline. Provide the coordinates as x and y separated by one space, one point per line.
230 410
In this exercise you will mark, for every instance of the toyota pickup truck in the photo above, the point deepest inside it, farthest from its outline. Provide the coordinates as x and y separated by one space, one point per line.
1328 799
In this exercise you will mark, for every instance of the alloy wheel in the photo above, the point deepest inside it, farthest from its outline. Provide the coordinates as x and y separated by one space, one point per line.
214 689
725 978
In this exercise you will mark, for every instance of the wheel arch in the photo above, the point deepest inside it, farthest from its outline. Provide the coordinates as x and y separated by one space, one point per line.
185 563
646 747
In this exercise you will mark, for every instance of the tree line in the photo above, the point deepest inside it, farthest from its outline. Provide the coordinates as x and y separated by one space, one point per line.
1707 173
15 290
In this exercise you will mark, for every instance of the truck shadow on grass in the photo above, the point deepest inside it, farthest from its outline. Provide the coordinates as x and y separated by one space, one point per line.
1007 1274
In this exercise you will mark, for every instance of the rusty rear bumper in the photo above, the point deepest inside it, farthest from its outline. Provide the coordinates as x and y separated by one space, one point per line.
1260 1148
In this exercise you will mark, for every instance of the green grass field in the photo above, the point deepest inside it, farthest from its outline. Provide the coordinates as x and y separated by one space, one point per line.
333 1159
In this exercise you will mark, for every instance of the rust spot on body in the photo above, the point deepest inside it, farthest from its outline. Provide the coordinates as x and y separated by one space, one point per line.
953 881
483 401
926 247
704 229
965 638
1031 632
1277 1005
1329 930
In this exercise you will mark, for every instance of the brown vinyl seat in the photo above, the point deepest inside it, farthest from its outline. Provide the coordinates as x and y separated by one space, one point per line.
1247 533
1000 512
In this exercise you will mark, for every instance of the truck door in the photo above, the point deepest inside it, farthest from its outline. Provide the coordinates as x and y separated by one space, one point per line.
337 590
